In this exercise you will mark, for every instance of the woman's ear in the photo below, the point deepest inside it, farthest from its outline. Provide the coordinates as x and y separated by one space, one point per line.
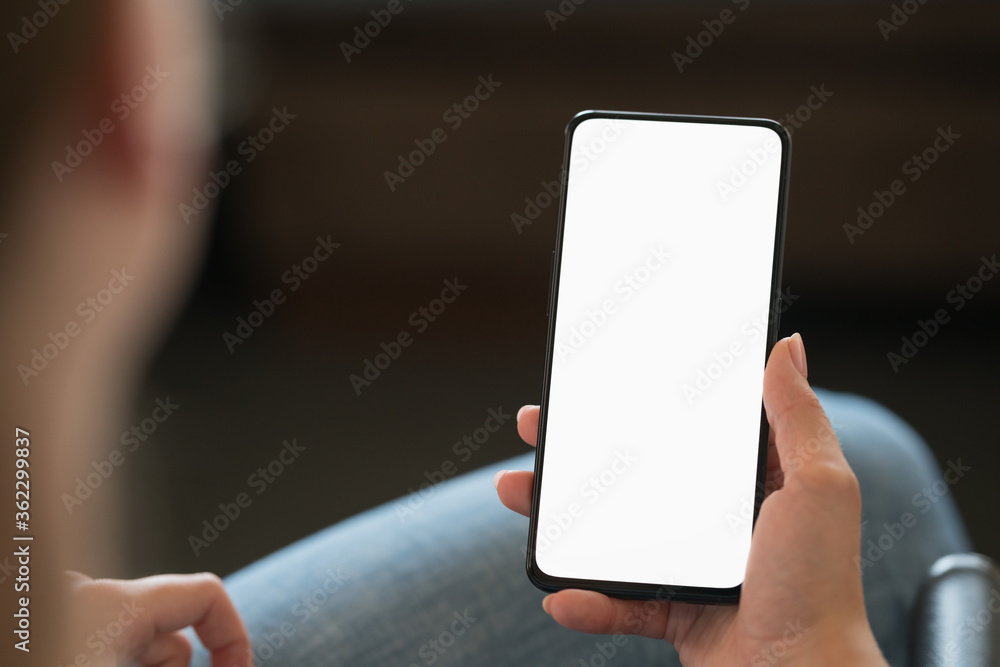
152 99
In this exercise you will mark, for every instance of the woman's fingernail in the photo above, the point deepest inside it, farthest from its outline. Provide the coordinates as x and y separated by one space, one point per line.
797 349
523 408
496 477
545 604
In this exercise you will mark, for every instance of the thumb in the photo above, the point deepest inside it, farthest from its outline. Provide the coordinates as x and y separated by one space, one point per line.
802 432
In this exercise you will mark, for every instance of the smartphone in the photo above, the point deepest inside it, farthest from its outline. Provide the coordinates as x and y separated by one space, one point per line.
664 303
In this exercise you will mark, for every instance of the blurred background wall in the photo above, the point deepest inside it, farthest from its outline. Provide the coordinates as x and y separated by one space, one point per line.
888 89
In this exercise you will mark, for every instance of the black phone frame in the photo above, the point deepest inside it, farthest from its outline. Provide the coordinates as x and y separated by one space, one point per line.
631 590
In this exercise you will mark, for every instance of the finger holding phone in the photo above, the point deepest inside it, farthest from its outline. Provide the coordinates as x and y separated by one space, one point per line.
801 599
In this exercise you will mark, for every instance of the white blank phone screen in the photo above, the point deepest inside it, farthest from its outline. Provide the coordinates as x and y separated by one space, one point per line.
654 406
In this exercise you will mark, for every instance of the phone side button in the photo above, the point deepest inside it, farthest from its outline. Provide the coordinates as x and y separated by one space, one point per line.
779 307
552 273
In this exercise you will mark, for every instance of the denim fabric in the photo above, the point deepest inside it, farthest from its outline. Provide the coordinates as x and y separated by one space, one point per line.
446 584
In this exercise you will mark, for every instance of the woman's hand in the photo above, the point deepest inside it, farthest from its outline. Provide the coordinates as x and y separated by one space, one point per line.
802 599
140 620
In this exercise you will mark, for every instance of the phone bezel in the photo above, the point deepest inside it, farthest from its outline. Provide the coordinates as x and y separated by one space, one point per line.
630 590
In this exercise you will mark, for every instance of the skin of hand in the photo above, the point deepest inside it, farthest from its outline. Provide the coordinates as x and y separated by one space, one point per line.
802 598
139 621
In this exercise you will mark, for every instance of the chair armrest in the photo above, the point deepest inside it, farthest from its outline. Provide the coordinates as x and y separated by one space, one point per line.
956 616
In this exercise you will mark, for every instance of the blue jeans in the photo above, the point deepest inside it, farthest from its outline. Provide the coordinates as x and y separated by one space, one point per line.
440 580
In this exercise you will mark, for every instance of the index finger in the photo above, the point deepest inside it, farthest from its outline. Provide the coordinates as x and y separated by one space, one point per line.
198 600
527 424
595 613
